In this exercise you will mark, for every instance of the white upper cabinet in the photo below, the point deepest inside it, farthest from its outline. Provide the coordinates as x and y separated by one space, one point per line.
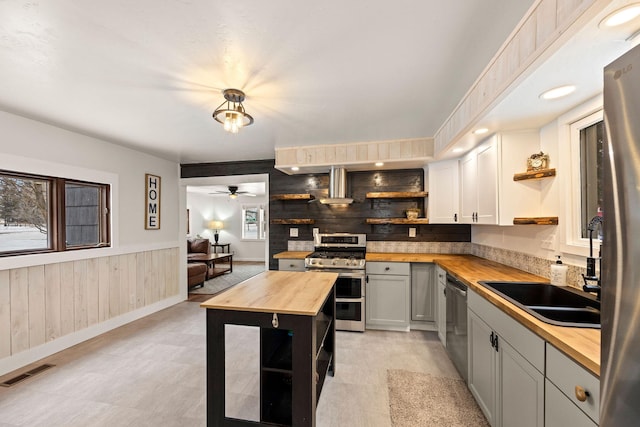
479 184
443 192
488 193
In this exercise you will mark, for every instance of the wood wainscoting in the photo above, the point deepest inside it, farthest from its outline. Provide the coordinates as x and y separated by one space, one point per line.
42 303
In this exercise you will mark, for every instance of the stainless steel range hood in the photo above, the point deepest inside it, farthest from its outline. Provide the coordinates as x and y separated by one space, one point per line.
337 187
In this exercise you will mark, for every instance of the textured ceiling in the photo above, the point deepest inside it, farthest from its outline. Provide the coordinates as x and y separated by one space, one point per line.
148 74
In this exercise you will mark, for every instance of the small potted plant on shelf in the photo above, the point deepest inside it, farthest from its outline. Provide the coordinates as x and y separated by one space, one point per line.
412 213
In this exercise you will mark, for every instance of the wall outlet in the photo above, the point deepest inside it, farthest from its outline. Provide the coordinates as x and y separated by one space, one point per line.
412 232
548 243
293 232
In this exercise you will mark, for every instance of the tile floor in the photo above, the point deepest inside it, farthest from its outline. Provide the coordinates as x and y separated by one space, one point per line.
152 373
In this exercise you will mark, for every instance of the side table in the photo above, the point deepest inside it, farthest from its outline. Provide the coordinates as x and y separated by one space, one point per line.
215 247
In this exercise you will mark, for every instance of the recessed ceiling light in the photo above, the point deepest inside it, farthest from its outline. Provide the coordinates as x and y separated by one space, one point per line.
480 131
457 150
558 92
379 164
295 168
621 16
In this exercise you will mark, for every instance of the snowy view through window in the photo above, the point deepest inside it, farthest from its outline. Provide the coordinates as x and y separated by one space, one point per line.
24 214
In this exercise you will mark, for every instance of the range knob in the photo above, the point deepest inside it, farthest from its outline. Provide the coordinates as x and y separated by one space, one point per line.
334 262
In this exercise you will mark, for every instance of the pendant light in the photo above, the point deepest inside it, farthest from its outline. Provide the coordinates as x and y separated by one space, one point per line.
231 113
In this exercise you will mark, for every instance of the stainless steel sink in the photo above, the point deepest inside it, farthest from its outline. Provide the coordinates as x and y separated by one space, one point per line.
552 304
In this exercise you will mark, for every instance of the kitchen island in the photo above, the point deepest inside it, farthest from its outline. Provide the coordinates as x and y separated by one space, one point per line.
295 313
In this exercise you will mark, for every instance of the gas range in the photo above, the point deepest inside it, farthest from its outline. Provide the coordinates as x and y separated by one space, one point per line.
336 260
344 254
338 251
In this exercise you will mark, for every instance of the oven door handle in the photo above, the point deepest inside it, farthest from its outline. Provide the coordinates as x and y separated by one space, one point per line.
341 273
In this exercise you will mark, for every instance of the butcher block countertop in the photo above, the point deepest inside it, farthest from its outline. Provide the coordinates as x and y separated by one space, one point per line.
580 344
292 255
282 292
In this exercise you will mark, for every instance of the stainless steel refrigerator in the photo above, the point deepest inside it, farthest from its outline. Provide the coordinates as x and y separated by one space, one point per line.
620 361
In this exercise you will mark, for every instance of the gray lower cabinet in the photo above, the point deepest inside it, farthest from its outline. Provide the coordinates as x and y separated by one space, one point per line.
388 296
561 412
286 264
508 387
575 393
441 296
423 292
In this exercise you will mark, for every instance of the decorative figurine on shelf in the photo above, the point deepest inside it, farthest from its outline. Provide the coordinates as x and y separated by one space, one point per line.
537 162
412 213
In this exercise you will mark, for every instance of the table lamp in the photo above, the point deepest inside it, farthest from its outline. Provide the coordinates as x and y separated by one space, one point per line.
216 226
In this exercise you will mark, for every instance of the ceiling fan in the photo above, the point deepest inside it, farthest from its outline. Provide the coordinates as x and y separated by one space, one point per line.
233 192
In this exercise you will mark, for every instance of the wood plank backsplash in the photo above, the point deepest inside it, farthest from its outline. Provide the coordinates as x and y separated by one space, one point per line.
41 303
352 218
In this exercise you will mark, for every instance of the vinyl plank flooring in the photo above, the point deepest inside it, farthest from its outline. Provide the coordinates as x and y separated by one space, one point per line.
153 372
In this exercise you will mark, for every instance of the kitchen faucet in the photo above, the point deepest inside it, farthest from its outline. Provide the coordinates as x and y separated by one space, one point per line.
591 276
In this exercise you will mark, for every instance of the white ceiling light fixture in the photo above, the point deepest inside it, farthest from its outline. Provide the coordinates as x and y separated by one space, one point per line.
231 113
457 150
378 164
295 168
621 16
558 92
480 131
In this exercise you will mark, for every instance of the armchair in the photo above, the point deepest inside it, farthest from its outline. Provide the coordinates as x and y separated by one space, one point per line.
198 246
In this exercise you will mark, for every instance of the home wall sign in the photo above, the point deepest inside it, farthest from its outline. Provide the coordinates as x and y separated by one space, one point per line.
152 202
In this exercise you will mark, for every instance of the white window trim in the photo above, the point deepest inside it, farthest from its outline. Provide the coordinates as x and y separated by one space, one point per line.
569 153
46 168
261 223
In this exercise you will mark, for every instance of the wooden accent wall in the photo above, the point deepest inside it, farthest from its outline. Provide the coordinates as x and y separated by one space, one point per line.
338 218
42 303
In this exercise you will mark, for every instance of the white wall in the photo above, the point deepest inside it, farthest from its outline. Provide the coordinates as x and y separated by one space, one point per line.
203 208
48 149
34 289
546 241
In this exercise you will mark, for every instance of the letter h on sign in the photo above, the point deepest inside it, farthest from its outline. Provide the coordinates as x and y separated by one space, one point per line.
152 202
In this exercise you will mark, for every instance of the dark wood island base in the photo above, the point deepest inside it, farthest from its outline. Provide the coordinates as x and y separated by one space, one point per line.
295 314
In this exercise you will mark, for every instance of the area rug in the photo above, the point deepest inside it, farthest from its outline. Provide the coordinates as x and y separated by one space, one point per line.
419 399
241 271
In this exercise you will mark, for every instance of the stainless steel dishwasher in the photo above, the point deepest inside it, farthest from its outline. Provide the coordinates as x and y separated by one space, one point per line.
457 324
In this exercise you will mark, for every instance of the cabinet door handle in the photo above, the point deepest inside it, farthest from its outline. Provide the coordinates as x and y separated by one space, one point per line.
491 340
366 279
455 217
496 342
387 269
581 393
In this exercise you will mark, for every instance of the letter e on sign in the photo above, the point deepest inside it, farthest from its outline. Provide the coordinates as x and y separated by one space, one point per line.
152 202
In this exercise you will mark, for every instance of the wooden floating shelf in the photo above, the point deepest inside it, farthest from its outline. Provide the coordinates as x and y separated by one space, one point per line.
543 220
397 221
300 221
397 195
301 196
542 173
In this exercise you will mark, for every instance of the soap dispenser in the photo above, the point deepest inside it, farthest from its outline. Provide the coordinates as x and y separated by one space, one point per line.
558 273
